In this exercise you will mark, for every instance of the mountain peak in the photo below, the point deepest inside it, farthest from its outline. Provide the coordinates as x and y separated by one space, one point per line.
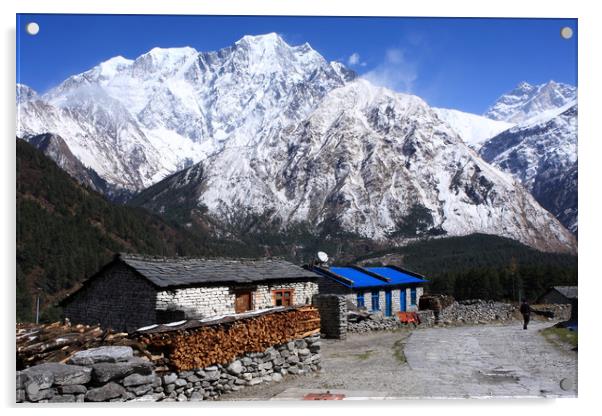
265 38
25 93
526 101
524 85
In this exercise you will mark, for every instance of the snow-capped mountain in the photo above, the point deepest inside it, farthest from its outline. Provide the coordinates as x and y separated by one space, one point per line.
526 101
472 128
25 93
377 163
268 128
136 121
542 154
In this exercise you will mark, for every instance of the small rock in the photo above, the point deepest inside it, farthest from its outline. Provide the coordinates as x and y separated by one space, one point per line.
73 389
197 396
180 382
170 378
303 352
293 359
66 398
102 394
235 368
138 379
276 377
140 390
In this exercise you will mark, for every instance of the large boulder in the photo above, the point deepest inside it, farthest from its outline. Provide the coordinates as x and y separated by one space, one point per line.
109 354
103 372
60 374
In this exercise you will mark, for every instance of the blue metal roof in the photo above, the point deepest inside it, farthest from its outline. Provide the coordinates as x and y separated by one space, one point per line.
396 276
361 279
358 278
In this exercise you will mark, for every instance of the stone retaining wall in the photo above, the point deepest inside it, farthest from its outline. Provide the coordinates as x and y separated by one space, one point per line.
113 374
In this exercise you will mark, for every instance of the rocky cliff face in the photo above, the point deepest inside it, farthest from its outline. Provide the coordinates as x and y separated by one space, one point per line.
527 101
378 164
542 154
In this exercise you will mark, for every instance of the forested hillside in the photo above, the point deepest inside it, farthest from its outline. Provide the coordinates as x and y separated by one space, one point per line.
482 266
65 232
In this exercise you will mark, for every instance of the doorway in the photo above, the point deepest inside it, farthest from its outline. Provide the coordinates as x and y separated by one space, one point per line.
242 302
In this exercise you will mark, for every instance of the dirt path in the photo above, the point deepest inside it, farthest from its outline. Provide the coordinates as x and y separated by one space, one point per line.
470 361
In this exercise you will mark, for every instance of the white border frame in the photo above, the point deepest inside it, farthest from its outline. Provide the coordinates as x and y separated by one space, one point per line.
590 149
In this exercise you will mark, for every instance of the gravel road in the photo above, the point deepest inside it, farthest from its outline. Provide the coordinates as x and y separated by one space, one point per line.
459 362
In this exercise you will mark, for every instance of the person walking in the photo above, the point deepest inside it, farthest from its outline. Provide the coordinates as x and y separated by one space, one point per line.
525 310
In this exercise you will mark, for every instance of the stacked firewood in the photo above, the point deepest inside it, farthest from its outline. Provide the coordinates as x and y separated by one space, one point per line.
56 342
221 342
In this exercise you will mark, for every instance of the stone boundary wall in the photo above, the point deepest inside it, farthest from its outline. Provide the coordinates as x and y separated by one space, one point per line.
385 324
477 311
114 374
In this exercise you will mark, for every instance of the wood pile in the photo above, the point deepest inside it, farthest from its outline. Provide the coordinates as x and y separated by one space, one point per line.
222 341
435 302
56 342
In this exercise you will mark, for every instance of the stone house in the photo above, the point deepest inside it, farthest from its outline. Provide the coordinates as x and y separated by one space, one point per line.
561 295
389 289
134 291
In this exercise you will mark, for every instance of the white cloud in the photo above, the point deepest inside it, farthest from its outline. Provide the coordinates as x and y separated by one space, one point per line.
355 59
395 72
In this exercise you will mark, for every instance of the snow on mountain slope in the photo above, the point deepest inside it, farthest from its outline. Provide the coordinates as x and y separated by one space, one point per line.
136 121
542 154
268 128
526 101
25 93
474 129
376 163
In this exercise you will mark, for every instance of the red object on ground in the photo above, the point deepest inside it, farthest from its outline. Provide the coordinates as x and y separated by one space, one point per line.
323 396
408 317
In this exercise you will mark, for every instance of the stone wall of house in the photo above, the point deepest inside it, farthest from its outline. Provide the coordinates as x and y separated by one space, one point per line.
197 302
118 299
113 374
303 292
395 298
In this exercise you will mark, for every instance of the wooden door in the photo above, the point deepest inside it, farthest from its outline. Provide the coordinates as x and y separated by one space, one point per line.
388 303
242 302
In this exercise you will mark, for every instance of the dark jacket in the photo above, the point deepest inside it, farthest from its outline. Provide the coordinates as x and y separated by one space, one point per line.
525 309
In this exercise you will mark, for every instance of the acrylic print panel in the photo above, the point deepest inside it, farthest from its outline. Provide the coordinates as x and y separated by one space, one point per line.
305 208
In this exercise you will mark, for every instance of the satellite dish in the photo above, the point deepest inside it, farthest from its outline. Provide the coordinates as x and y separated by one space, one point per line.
322 257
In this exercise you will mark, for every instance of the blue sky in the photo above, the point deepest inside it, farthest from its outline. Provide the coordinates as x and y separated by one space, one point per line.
455 63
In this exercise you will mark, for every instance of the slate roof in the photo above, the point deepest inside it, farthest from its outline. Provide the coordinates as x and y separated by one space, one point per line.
569 292
169 272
